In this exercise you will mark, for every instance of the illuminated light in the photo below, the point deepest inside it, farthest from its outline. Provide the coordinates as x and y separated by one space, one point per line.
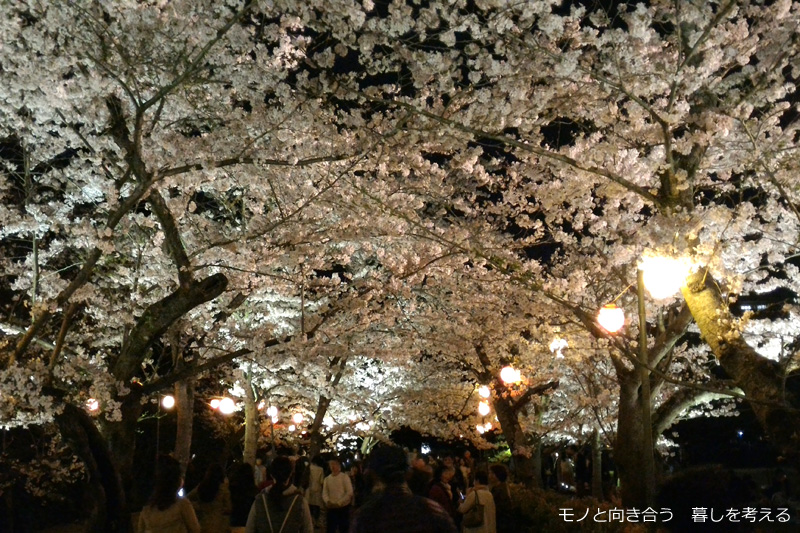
292 427
488 426
664 276
274 419
92 404
480 429
611 318
168 401
484 409
297 418
484 392
261 405
227 406
509 375
272 412
214 403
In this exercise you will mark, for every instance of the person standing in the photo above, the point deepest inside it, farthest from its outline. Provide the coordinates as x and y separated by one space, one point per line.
394 508
419 479
504 511
337 493
479 495
165 512
281 508
316 477
243 490
260 474
212 501
440 490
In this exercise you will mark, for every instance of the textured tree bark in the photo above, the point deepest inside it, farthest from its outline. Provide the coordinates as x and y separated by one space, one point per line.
522 449
315 431
184 405
597 466
760 379
628 450
107 498
252 428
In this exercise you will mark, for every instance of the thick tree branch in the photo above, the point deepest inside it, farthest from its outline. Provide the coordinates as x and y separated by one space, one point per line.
160 316
172 237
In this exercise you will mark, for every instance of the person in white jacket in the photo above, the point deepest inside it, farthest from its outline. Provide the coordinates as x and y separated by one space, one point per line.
337 493
480 494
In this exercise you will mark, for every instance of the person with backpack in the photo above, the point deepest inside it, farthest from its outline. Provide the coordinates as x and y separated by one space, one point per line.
281 507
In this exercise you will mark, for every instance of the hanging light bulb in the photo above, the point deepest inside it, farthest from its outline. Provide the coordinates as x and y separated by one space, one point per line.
272 411
483 408
297 418
611 318
484 391
214 404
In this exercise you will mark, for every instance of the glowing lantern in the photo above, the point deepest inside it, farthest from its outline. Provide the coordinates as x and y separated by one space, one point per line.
214 403
611 318
484 392
168 401
664 276
297 418
509 375
227 406
483 408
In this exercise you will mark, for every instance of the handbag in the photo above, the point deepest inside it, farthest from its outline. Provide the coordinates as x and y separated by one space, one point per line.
474 517
269 518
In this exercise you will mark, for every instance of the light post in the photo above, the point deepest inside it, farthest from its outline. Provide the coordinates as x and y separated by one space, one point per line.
272 413
663 277
167 402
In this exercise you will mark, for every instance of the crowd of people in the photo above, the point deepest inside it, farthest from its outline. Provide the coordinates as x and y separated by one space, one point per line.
296 495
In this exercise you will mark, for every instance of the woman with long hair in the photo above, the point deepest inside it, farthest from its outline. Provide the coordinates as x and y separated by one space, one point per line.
243 490
212 501
165 512
280 508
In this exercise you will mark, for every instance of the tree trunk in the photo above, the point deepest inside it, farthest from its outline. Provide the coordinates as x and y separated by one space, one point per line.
184 404
760 379
522 449
628 451
107 512
315 431
252 428
597 465
537 481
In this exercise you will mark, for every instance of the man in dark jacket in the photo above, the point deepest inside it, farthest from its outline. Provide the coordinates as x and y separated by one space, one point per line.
394 508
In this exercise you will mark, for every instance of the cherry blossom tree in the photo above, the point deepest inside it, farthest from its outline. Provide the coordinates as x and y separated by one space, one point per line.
201 161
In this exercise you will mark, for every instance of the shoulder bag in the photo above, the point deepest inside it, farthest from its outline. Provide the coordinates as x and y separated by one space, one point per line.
474 517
